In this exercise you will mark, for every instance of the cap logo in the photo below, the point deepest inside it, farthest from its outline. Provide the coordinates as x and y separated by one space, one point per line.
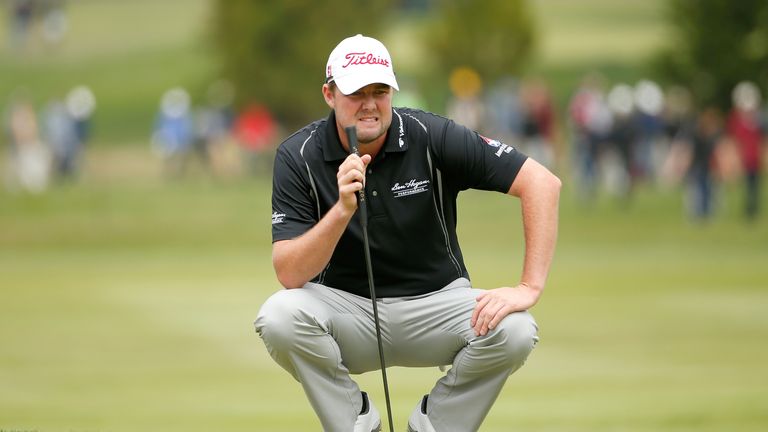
363 58
359 61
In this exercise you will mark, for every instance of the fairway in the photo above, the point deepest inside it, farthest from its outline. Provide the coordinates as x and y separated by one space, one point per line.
127 305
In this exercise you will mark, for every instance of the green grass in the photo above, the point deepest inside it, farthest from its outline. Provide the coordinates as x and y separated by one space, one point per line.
593 31
127 305
613 38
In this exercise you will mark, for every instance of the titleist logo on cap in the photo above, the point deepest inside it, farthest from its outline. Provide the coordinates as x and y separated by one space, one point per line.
363 58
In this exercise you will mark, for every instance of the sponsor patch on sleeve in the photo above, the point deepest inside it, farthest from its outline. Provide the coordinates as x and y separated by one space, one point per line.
502 148
278 218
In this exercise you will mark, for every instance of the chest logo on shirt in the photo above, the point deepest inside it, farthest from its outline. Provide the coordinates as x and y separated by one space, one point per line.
503 148
411 187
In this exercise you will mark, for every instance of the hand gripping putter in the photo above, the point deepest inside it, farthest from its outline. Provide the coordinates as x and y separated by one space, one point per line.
352 139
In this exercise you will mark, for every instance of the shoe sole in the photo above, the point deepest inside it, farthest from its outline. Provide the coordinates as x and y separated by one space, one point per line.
377 428
410 429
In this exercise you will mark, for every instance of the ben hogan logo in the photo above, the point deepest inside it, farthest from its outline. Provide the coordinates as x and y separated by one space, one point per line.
410 187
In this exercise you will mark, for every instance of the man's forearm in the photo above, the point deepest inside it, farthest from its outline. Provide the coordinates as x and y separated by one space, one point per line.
298 260
540 219
539 192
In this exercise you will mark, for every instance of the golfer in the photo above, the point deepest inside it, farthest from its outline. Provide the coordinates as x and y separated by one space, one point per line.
413 165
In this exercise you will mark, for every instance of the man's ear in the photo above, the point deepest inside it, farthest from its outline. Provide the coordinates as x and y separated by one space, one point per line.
329 96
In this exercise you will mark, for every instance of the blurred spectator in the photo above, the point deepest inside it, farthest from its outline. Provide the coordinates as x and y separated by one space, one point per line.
649 149
617 162
704 140
466 107
173 134
61 136
746 127
54 21
81 103
504 111
66 127
213 128
679 121
677 112
29 159
256 132
47 16
20 15
538 122
590 121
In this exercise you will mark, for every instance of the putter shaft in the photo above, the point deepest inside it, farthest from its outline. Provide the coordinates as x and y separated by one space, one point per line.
352 139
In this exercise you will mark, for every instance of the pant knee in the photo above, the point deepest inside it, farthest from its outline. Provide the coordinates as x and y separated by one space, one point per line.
513 340
521 335
277 321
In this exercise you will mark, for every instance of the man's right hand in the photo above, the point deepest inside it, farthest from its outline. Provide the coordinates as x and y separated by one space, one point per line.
351 178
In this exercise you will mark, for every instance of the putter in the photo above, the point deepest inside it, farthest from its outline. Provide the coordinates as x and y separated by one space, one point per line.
352 138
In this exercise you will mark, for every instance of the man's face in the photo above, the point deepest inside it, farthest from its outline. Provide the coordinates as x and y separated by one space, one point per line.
369 109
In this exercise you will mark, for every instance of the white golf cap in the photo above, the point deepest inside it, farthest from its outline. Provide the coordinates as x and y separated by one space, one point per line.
358 61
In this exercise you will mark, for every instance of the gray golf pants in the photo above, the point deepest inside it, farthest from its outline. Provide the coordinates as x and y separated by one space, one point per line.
321 335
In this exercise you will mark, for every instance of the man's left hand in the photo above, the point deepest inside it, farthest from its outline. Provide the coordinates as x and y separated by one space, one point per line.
493 305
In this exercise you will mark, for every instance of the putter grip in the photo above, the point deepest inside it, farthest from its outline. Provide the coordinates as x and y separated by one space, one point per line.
353 146
351 138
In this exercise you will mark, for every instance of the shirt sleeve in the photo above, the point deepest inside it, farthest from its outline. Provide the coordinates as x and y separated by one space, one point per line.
472 161
294 209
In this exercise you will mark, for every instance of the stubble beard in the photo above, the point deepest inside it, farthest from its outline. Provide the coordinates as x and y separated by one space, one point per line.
369 136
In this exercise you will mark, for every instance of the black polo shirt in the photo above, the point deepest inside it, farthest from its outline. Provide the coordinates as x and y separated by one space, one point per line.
411 190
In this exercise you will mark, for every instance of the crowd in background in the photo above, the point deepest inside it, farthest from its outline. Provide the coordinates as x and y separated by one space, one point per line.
630 135
609 139
226 141
43 19
49 144
616 138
